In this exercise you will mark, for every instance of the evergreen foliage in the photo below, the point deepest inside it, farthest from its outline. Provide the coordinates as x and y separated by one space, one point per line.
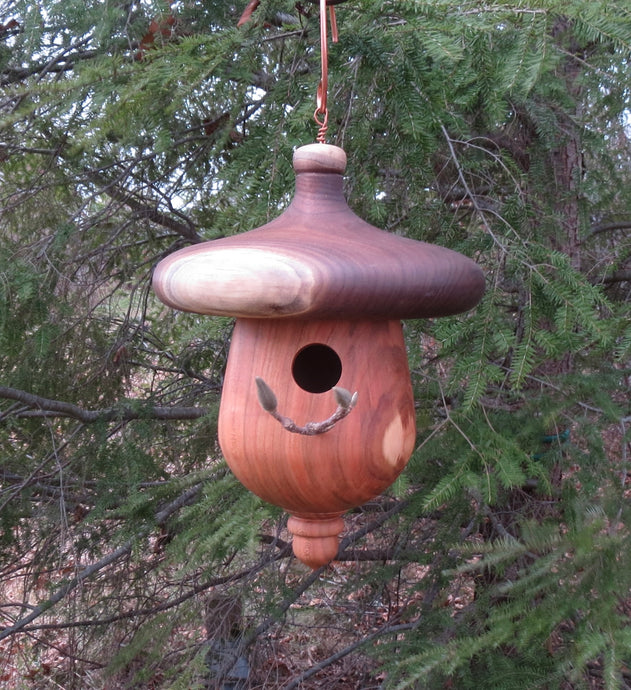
127 130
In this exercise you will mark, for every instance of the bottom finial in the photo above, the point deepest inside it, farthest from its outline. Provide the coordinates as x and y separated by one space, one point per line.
316 540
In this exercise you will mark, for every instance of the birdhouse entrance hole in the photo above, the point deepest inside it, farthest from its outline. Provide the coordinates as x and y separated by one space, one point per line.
316 368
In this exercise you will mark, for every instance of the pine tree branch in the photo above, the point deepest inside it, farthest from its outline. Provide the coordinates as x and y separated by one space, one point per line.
45 407
57 65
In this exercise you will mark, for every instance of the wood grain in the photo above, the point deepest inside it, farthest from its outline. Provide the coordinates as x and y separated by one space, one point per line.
318 260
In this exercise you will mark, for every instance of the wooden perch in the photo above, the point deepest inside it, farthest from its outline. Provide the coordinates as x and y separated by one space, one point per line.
345 403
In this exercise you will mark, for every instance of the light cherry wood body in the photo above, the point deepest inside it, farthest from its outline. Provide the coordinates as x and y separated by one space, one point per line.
317 478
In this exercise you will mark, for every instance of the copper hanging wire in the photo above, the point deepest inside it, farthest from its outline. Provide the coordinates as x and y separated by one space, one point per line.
321 114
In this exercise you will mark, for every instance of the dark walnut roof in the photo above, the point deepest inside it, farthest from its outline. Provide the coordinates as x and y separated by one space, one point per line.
319 260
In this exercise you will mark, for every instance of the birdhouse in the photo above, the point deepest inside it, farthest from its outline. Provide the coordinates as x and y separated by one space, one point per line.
317 412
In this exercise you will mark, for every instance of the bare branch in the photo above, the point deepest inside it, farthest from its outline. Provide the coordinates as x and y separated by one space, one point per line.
615 277
265 560
122 551
370 527
60 63
65 589
607 227
315 574
145 208
45 407
387 629
23 624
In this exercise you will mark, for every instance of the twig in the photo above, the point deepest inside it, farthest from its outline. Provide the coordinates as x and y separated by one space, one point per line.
316 668
315 574
283 607
345 403
469 193
607 227
370 527
124 550
64 590
171 603
143 207
615 277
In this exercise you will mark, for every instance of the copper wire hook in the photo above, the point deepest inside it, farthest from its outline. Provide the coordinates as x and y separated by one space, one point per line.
321 115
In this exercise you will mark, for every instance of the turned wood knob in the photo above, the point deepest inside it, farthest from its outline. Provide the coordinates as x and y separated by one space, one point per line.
316 541
320 158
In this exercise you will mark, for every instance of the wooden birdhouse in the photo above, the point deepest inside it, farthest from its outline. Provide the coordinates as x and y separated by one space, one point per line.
317 413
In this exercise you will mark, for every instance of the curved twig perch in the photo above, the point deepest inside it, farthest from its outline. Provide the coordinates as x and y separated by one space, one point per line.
345 403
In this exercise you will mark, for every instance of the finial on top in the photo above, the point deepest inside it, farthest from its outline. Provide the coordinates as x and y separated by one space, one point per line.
320 158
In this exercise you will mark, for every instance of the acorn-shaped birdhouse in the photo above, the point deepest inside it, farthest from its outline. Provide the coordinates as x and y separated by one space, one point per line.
317 412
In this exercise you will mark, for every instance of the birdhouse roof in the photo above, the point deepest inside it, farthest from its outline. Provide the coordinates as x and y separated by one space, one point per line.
319 260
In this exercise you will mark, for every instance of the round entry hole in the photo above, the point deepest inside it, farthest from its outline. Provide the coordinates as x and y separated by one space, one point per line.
316 368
